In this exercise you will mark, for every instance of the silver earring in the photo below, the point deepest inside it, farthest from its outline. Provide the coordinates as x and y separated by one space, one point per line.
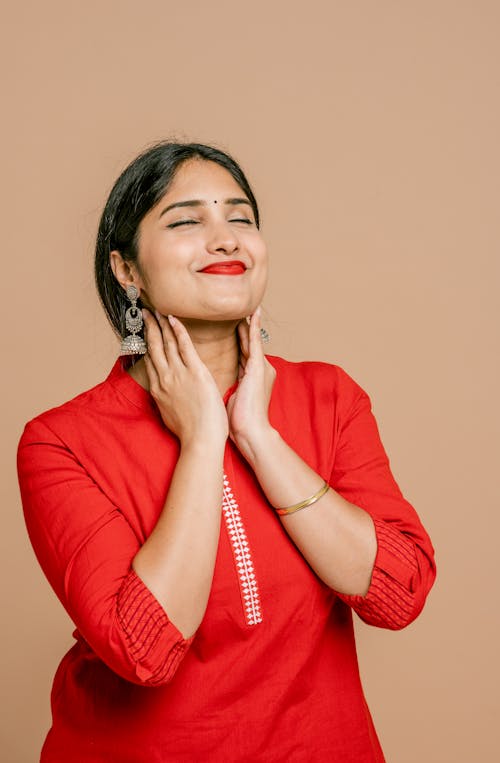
265 337
133 344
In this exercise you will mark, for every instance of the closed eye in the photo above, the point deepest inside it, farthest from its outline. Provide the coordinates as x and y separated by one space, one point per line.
197 222
182 222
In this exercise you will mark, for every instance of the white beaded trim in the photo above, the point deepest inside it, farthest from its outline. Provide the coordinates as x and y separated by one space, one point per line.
242 555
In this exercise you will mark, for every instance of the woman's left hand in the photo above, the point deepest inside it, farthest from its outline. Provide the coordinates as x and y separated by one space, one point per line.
247 408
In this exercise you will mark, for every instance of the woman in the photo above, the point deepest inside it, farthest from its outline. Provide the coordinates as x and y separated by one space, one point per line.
210 516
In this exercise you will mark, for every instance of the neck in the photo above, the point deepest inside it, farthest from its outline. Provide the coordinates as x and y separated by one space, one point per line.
216 344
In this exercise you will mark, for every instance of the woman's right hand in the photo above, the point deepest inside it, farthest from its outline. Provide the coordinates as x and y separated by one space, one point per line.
183 388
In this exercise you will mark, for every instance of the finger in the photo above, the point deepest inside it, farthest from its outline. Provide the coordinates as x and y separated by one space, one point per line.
255 342
154 339
169 340
185 346
241 369
153 379
243 332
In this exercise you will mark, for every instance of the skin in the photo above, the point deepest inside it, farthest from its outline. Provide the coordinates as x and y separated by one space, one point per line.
203 333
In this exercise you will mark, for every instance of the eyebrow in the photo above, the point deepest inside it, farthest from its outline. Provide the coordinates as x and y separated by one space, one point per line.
200 203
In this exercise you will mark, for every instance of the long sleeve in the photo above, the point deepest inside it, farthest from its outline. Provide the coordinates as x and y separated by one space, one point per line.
404 569
85 547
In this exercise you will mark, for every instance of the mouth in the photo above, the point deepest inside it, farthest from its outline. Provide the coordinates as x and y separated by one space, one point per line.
229 268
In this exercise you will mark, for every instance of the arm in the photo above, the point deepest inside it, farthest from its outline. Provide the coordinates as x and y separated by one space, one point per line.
137 607
335 536
404 569
362 538
85 547
177 560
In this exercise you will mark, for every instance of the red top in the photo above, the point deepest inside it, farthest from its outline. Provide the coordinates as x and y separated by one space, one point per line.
271 674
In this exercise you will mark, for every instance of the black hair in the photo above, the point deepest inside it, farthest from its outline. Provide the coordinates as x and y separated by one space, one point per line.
140 186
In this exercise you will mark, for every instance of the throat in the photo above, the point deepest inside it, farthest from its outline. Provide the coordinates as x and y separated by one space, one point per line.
224 378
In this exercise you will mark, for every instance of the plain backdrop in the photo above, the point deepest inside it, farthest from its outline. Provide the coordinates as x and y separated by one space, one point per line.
370 132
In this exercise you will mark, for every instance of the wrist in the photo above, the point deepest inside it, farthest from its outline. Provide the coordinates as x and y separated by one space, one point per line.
257 444
206 444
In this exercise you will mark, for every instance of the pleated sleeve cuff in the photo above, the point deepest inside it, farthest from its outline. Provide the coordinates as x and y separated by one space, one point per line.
391 600
154 643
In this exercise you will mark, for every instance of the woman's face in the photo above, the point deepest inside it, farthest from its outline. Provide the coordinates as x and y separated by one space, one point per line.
203 219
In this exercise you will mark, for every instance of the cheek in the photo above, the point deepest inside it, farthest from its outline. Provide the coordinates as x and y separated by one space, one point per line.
262 273
259 249
264 261
158 264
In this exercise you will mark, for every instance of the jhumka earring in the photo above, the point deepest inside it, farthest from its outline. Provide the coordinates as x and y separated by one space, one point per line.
133 344
265 337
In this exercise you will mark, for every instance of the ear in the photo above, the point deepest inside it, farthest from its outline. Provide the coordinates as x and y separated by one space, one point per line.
124 271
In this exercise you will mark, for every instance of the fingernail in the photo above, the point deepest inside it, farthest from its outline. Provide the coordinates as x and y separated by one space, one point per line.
171 320
158 315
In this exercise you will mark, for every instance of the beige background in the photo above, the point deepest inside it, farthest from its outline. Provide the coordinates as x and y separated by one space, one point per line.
370 131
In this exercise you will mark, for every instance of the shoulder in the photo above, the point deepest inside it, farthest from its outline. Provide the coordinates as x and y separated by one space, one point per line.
312 403
317 378
55 422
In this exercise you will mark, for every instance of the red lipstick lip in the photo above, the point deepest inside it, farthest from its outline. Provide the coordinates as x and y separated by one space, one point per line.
231 267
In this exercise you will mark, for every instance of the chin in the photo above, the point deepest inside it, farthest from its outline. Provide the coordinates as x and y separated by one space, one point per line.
229 311
226 316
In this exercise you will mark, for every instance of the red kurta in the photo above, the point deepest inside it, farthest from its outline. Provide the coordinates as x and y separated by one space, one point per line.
271 674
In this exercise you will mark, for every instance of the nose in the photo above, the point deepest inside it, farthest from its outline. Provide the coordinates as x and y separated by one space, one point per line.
222 238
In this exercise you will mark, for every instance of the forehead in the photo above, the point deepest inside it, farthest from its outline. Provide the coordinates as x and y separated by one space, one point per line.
201 179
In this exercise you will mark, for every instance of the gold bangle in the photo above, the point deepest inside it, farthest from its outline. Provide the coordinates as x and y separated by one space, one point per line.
302 505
